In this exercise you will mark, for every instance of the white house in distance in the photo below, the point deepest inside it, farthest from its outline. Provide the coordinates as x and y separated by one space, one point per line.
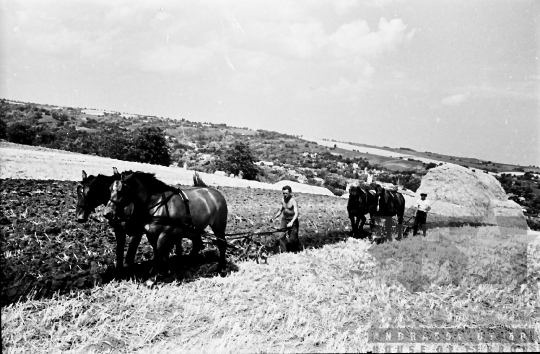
319 180
206 157
265 163
300 177
310 154
93 112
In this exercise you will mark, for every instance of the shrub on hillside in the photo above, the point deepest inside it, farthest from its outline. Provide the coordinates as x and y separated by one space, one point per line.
45 136
412 184
239 157
152 147
335 181
534 223
21 133
336 191
3 129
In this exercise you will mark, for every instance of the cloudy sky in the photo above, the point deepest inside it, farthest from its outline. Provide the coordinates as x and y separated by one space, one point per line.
458 77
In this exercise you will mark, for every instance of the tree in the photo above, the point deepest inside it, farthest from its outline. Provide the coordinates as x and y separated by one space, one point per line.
413 183
238 158
21 133
3 129
151 146
44 136
335 181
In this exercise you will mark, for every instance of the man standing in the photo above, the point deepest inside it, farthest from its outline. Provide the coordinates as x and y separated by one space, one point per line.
422 206
289 241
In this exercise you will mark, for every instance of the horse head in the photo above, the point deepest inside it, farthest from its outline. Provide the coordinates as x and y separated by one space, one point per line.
92 192
120 204
354 191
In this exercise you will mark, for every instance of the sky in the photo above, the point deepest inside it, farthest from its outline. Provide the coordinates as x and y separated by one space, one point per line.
458 77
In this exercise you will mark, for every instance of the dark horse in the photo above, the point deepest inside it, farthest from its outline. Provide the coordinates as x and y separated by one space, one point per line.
391 203
169 214
94 191
360 203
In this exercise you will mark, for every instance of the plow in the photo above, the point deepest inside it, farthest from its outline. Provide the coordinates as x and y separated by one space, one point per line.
386 228
244 245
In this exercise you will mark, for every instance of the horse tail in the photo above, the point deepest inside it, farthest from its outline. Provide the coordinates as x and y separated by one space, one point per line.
197 181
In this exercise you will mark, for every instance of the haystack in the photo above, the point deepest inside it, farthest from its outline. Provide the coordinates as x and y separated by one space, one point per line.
463 196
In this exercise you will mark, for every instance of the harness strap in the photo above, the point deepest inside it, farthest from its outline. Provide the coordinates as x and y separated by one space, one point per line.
186 204
164 202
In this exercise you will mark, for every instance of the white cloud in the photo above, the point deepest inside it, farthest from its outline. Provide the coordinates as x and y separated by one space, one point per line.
454 100
379 3
343 91
527 90
177 58
344 6
355 38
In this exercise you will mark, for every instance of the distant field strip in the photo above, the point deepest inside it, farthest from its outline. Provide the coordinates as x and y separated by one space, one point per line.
29 162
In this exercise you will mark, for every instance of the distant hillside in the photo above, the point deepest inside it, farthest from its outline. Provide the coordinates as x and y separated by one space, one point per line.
201 146
491 166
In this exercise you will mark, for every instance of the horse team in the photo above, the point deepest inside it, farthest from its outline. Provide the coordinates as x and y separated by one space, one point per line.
380 204
137 203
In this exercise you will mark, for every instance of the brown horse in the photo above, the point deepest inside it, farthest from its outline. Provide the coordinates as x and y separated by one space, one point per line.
169 214
94 191
360 203
391 203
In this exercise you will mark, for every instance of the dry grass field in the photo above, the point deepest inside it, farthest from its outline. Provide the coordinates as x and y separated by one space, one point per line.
320 300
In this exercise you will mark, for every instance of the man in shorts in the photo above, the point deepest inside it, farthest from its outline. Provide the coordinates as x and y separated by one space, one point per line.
289 241
422 206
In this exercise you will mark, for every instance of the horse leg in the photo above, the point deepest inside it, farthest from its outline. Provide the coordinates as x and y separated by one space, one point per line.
400 227
222 246
165 243
197 246
134 242
218 226
361 227
152 232
178 250
388 227
120 235
371 223
353 224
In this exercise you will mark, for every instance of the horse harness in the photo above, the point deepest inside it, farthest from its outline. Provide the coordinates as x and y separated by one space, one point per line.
164 202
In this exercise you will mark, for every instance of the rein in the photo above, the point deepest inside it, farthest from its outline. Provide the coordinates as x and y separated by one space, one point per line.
243 235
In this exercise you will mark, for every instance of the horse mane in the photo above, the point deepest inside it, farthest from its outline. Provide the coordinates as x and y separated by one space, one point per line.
102 178
126 173
150 182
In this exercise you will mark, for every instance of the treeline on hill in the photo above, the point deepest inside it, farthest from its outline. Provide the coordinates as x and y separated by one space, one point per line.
146 144
204 147
524 190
